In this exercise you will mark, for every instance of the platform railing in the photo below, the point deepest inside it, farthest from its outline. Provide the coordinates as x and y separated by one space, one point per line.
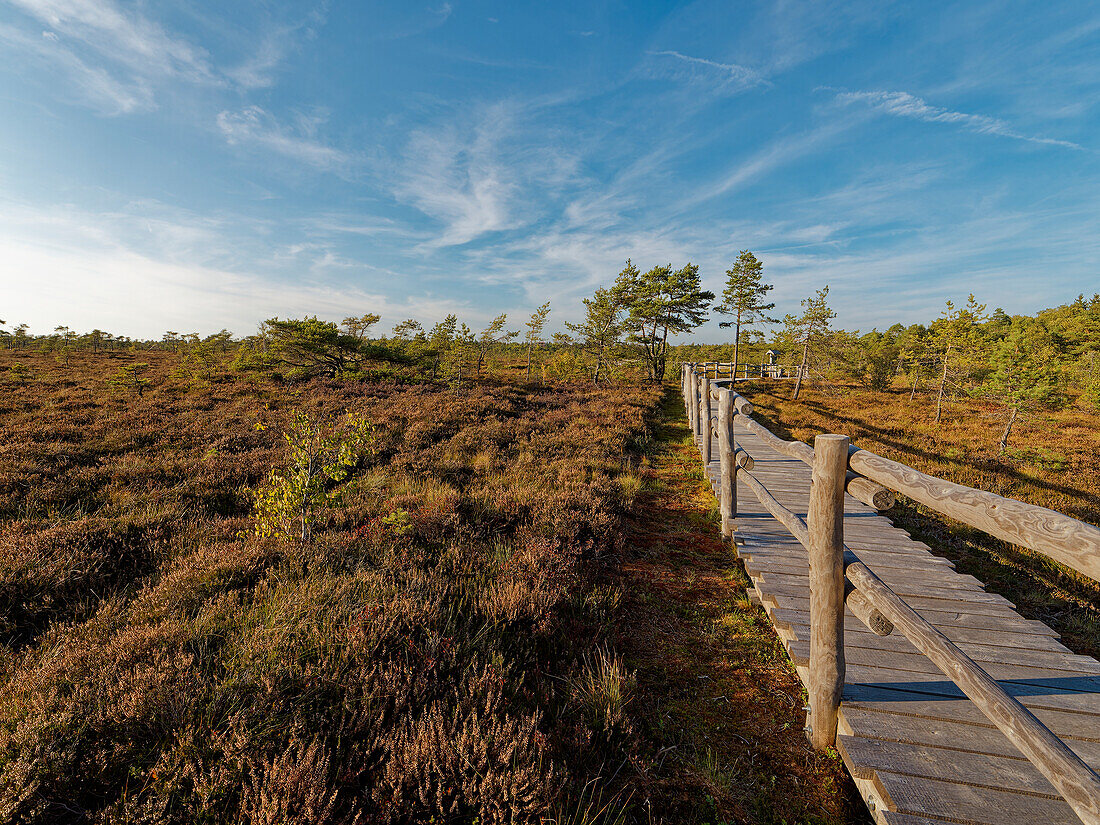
839 579
742 372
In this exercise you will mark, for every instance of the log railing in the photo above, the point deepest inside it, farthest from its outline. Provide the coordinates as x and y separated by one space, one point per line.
839 579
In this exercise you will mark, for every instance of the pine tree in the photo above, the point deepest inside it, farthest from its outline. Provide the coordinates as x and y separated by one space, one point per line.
743 298
603 325
534 332
660 302
959 342
1024 376
809 330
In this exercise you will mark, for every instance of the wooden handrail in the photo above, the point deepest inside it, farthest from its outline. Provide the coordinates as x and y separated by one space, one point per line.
1074 780
861 608
872 494
1064 539
1068 541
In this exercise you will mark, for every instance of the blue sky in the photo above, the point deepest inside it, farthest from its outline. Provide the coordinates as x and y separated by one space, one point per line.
199 165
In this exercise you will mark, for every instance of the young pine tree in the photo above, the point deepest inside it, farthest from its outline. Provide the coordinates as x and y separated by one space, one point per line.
1024 375
743 298
602 327
534 332
809 331
960 344
490 338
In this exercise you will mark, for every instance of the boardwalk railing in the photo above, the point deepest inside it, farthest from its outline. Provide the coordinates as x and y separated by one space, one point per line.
726 369
838 578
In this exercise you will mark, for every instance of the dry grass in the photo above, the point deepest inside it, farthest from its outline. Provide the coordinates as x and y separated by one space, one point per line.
1053 461
159 663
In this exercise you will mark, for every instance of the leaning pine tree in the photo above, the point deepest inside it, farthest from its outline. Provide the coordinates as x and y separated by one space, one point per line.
743 299
810 330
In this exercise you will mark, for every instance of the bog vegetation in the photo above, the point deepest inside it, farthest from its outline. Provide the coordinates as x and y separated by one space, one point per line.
327 573
227 599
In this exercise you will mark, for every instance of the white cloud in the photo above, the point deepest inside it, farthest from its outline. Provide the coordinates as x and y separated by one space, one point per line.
478 176
767 159
138 275
903 104
730 76
93 85
254 126
127 38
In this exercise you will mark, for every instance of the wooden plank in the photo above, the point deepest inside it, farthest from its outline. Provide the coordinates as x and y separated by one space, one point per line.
1052 658
918 664
953 802
894 818
902 699
941 733
864 757
941 603
929 589
788 618
978 621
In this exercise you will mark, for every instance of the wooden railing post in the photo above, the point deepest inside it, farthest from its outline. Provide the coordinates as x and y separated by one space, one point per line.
825 524
704 411
693 380
684 387
727 490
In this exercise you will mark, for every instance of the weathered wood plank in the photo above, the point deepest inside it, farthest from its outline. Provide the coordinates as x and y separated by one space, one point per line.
953 802
941 733
866 756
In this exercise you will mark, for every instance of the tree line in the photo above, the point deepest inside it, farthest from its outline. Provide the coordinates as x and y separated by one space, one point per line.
1022 363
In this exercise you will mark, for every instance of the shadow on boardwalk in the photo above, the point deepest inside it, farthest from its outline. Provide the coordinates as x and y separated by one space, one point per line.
716 691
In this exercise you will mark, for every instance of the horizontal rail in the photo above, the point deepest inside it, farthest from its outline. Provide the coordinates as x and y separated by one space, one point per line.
1074 780
872 494
1067 540
786 517
861 608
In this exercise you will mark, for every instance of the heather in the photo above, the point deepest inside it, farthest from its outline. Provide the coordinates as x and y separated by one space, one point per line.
438 648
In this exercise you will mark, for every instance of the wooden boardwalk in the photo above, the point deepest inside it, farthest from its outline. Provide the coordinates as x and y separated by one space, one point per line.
919 750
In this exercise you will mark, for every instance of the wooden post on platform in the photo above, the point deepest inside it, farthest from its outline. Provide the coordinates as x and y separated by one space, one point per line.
825 523
727 491
693 400
704 410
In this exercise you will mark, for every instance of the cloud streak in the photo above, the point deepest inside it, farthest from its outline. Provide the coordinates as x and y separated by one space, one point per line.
129 39
903 104
254 126
731 73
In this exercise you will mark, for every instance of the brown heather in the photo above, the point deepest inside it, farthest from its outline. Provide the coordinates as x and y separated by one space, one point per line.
416 662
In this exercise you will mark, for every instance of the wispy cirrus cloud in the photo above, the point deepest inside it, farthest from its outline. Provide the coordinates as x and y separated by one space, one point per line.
721 77
903 104
125 37
91 85
483 172
117 57
255 126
